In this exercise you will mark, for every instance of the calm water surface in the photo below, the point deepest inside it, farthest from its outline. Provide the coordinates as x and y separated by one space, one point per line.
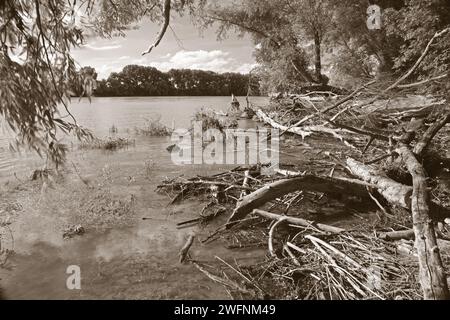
130 261
125 114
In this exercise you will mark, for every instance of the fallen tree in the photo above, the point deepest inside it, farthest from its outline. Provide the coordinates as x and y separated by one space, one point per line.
431 275
394 192
334 187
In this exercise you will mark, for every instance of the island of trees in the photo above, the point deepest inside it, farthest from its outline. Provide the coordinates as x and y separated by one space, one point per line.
135 80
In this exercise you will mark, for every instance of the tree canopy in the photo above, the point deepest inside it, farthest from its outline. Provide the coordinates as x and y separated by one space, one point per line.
136 80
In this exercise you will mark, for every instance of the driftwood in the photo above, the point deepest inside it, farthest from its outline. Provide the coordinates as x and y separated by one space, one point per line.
333 186
431 275
394 192
334 106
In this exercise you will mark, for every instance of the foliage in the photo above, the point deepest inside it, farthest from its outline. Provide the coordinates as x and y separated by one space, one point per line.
109 144
210 120
283 61
77 84
137 80
35 69
415 24
154 128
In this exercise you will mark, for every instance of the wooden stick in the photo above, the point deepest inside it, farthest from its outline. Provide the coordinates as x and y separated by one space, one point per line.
271 232
335 251
184 251
221 280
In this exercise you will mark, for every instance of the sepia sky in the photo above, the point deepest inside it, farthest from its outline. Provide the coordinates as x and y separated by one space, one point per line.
188 49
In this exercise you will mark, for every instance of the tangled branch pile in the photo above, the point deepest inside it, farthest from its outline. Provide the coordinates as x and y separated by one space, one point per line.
382 161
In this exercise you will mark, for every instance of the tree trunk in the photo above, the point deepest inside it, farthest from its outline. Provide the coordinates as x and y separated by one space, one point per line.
394 192
317 58
432 275
338 188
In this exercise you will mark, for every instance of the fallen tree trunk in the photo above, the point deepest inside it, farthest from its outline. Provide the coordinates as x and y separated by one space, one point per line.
333 186
395 193
298 221
431 271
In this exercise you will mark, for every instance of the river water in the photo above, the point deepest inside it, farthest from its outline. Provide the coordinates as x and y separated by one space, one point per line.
119 256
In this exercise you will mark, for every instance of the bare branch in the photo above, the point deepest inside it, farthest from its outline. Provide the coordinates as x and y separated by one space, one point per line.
166 12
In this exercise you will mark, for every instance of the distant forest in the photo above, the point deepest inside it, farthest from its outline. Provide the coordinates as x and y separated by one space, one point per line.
135 80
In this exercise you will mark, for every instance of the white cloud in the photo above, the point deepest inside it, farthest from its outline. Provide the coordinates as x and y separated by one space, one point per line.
215 60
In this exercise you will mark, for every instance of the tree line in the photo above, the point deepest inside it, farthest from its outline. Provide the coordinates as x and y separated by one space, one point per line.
135 80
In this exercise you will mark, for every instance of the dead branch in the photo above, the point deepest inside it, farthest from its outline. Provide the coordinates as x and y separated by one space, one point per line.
271 232
184 251
418 62
162 31
416 84
332 186
334 106
223 281
303 131
421 146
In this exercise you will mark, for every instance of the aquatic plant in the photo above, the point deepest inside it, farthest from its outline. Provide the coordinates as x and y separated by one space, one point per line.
213 120
153 128
110 144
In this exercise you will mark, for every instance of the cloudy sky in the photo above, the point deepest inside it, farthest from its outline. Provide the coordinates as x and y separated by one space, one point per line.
183 47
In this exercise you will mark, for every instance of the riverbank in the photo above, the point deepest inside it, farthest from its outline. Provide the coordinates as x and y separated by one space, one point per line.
131 234
338 219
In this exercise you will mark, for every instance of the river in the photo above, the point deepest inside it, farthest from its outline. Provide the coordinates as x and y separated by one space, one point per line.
120 255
